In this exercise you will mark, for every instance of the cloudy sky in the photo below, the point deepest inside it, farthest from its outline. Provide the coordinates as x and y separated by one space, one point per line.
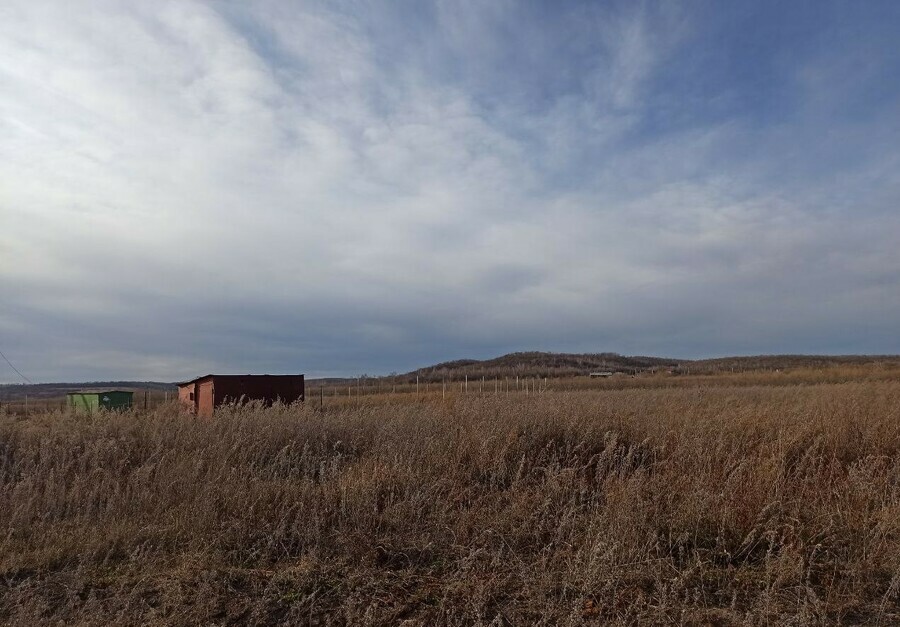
366 187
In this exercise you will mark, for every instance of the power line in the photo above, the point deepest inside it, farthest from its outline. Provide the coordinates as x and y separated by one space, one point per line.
27 380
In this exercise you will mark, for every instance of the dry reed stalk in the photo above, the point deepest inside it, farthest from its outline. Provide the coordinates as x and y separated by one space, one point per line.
718 505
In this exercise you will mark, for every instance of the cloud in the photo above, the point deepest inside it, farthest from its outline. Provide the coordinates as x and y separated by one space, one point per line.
330 188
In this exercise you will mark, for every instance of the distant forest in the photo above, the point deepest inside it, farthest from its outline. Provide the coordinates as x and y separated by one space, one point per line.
524 364
538 364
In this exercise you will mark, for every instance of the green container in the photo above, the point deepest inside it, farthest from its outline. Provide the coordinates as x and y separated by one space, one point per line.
89 401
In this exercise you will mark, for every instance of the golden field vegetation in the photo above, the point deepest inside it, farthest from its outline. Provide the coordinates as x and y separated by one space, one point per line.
731 502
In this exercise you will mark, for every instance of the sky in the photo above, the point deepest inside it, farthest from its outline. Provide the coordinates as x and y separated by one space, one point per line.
339 188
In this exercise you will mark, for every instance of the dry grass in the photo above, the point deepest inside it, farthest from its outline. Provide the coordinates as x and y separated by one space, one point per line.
727 504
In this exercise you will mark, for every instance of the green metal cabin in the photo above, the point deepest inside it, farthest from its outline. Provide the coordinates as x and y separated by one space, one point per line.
89 401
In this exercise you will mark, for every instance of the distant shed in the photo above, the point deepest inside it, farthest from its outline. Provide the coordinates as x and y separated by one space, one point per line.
203 394
89 401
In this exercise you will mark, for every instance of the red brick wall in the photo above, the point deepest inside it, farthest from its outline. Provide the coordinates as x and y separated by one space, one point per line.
184 395
205 398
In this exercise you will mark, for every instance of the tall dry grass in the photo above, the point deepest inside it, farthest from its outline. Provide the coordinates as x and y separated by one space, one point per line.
718 505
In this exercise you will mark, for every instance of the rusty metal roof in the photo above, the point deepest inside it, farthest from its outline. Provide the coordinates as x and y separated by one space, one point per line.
194 380
234 376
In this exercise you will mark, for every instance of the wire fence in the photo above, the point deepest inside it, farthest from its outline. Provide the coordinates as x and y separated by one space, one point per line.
141 399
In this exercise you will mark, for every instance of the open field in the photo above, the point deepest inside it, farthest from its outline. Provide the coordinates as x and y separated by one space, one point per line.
749 498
